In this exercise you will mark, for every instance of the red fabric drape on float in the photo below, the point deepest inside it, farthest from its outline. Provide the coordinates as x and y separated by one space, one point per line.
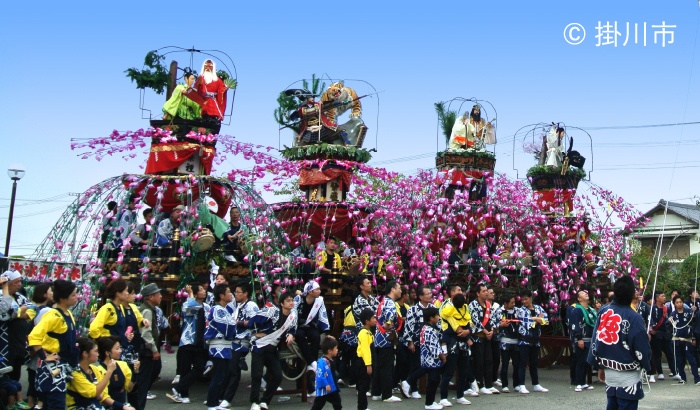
315 176
320 221
463 178
168 156
554 198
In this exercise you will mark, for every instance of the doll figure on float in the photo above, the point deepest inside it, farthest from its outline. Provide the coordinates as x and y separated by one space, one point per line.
315 127
209 92
470 131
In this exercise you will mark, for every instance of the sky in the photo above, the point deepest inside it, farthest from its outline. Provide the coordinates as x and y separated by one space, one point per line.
514 56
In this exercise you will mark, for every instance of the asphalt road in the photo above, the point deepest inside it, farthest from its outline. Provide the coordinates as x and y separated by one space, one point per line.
663 395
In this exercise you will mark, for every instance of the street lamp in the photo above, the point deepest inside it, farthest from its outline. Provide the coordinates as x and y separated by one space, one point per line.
15 175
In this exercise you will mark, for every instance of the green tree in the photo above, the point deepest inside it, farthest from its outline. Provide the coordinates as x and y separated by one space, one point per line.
644 259
686 274
447 119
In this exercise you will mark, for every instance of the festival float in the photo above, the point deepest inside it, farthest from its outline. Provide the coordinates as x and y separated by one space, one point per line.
463 222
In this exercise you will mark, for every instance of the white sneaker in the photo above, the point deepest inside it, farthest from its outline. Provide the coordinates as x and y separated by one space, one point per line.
539 388
505 390
484 390
368 394
176 380
225 404
282 399
652 379
472 393
175 396
255 406
208 368
523 390
376 398
312 394
341 382
352 386
578 388
462 400
185 400
475 386
498 383
150 396
676 377
433 406
445 403
494 390
263 406
587 387
416 395
660 376
392 399
405 389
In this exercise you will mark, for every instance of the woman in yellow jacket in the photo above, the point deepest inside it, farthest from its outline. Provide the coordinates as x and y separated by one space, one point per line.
110 319
121 382
88 387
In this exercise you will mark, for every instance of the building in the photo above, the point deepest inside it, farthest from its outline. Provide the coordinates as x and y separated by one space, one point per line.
681 231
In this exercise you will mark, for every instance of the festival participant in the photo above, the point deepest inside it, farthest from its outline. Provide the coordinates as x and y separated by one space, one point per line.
149 356
495 345
326 384
328 260
88 385
411 337
15 322
134 323
373 262
660 337
456 328
532 318
125 229
641 307
53 341
471 131
192 352
555 146
683 341
43 301
219 335
403 360
482 333
348 349
364 300
141 234
178 106
166 228
110 318
580 323
270 325
365 346
212 90
432 357
244 309
508 327
107 225
303 257
312 320
384 338
620 353
233 237
121 382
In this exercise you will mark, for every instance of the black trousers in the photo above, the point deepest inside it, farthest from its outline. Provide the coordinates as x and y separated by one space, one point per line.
219 373
414 368
333 398
455 361
363 382
346 365
191 362
496 359
403 364
433 382
582 366
510 355
144 379
529 355
267 357
234 375
659 346
309 341
382 372
483 363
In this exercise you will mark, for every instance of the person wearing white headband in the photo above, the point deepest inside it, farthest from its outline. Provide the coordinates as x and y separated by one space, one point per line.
313 320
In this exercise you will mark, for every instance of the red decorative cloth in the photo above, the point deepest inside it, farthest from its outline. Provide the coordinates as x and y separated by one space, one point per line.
315 176
168 156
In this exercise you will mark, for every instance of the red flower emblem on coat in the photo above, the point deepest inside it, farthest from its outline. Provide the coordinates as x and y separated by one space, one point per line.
609 328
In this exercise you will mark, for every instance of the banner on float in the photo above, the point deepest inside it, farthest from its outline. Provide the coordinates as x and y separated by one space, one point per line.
44 271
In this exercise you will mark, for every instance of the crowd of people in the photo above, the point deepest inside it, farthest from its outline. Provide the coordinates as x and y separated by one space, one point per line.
466 343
